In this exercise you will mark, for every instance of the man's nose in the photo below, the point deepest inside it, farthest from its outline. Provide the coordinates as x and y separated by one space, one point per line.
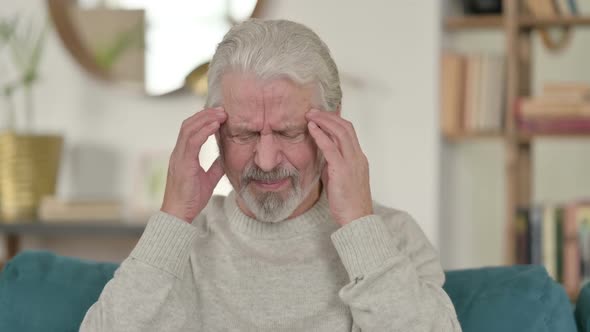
268 153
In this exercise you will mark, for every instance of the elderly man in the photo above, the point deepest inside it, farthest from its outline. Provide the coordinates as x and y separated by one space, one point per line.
299 245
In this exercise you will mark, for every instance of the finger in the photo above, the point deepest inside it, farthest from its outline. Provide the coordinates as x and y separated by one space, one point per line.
216 171
326 145
339 129
194 144
207 112
342 123
202 117
196 122
325 178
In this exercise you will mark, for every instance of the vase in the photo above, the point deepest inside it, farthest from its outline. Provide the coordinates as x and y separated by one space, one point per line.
29 166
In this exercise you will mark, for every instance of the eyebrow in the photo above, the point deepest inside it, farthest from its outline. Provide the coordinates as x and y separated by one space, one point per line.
242 127
293 127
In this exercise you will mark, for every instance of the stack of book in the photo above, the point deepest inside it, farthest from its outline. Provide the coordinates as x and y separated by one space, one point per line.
548 8
558 237
53 209
472 93
562 108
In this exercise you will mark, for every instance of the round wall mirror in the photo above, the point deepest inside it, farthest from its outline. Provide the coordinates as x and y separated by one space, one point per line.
159 47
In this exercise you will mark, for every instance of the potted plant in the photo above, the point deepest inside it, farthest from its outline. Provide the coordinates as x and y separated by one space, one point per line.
29 161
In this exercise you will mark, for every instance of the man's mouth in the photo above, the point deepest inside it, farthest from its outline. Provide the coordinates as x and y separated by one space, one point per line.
271 185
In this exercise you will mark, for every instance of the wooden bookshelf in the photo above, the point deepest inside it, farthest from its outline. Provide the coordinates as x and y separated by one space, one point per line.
517 27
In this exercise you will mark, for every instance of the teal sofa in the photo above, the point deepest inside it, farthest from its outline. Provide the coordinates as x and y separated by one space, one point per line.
41 291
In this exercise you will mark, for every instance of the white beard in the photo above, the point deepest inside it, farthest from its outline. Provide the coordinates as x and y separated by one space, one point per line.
271 206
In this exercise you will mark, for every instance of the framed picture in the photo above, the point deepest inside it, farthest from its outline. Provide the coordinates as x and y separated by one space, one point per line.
149 185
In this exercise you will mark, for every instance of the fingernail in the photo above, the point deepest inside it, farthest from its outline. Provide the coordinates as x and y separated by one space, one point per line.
312 124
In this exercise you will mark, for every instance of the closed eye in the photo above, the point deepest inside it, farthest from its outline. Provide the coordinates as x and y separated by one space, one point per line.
292 135
244 137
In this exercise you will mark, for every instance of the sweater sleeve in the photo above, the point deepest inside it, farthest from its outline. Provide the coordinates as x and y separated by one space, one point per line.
148 291
396 278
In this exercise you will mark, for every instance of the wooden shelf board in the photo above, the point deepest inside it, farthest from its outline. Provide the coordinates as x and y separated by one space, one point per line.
531 22
472 135
72 228
473 22
496 22
523 136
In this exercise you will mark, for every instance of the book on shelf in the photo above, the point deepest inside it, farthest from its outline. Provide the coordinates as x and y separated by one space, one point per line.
546 9
542 8
566 7
556 236
522 236
53 209
472 93
562 7
549 241
566 88
452 93
550 8
573 7
561 108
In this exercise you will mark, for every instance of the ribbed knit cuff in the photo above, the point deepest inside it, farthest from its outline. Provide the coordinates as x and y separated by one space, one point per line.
165 243
364 245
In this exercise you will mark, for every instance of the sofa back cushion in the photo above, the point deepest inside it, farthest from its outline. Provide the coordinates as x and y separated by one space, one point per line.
41 291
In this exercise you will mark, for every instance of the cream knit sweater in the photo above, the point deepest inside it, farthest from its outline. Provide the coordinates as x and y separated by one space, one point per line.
228 272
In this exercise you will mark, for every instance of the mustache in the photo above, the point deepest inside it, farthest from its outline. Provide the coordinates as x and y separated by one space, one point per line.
254 173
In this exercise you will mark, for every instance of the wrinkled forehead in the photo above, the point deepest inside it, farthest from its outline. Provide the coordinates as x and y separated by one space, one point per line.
255 103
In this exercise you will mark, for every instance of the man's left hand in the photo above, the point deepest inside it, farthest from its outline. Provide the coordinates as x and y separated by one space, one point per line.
346 174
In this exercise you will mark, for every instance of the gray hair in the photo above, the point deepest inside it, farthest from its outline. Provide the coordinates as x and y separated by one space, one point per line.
272 49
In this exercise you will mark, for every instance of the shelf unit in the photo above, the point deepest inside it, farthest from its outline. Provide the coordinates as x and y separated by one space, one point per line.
12 232
517 29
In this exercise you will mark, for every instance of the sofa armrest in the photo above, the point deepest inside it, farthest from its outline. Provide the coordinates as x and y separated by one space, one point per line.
41 291
582 312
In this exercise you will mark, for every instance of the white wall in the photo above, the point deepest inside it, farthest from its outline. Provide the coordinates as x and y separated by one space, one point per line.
387 53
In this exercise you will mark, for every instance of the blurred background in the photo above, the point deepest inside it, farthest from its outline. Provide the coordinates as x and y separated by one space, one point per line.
474 117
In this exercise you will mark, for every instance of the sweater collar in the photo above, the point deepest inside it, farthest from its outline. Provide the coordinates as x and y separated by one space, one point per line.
316 219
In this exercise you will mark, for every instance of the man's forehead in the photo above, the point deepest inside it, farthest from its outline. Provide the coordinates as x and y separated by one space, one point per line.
247 123
247 100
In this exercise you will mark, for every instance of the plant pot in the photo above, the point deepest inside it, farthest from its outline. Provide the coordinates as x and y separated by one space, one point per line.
29 165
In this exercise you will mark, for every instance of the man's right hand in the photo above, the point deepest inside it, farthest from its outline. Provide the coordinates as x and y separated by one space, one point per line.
188 186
